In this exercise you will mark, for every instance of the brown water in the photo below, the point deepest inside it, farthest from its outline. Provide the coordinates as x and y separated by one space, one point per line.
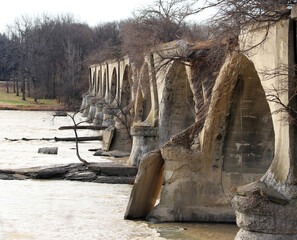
47 210
201 231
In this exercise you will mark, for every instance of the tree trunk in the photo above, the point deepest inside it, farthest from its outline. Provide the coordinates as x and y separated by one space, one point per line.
13 85
7 81
54 87
28 88
35 89
17 88
24 88
7 84
35 95
47 87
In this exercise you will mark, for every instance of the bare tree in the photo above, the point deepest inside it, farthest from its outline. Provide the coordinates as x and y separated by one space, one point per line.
161 22
49 52
233 16
85 162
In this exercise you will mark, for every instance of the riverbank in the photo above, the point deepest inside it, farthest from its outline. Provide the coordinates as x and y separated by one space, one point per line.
9 101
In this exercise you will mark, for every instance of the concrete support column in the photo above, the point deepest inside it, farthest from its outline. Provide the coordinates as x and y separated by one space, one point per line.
92 111
144 141
83 104
109 112
87 105
154 91
122 139
267 209
98 115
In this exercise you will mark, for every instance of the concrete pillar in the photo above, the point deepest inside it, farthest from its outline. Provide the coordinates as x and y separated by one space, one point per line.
122 139
92 112
147 186
83 104
154 91
144 141
98 115
87 105
267 209
108 115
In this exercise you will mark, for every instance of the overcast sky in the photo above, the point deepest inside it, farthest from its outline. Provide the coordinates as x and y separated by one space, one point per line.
92 12
89 11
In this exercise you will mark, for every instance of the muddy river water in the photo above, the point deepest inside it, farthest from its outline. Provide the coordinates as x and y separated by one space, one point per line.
47 210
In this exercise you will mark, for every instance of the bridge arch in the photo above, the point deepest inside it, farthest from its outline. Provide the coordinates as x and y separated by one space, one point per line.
249 139
126 86
97 79
197 160
93 79
177 104
143 101
113 85
104 79
90 80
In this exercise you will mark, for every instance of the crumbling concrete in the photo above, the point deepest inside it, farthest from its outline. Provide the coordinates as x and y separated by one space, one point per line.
48 150
268 211
107 138
199 172
144 141
205 153
147 186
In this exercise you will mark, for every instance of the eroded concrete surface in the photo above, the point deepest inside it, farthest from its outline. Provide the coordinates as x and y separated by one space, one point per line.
215 130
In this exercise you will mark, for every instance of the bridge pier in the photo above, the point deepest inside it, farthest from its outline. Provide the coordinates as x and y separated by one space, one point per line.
203 161
246 235
92 109
267 209
98 115
85 111
264 211
122 139
83 104
108 115
144 141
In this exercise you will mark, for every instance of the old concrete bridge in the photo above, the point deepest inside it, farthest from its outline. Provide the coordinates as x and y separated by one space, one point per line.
215 129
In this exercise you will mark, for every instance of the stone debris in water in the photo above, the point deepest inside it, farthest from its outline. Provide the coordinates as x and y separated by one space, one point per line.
94 172
147 186
48 150
114 153
107 138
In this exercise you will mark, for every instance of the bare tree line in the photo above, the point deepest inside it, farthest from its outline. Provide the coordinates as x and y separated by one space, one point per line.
45 56
48 56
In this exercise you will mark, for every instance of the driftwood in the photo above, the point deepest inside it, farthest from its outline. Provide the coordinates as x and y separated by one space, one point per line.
70 139
29 139
79 139
83 127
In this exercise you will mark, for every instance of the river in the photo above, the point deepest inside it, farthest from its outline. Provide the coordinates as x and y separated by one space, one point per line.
47 210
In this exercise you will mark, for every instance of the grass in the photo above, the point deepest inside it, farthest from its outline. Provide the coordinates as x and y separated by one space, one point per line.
11 101
15 102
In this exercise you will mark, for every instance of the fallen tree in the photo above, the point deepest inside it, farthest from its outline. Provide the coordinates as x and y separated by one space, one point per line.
57 139
83 127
